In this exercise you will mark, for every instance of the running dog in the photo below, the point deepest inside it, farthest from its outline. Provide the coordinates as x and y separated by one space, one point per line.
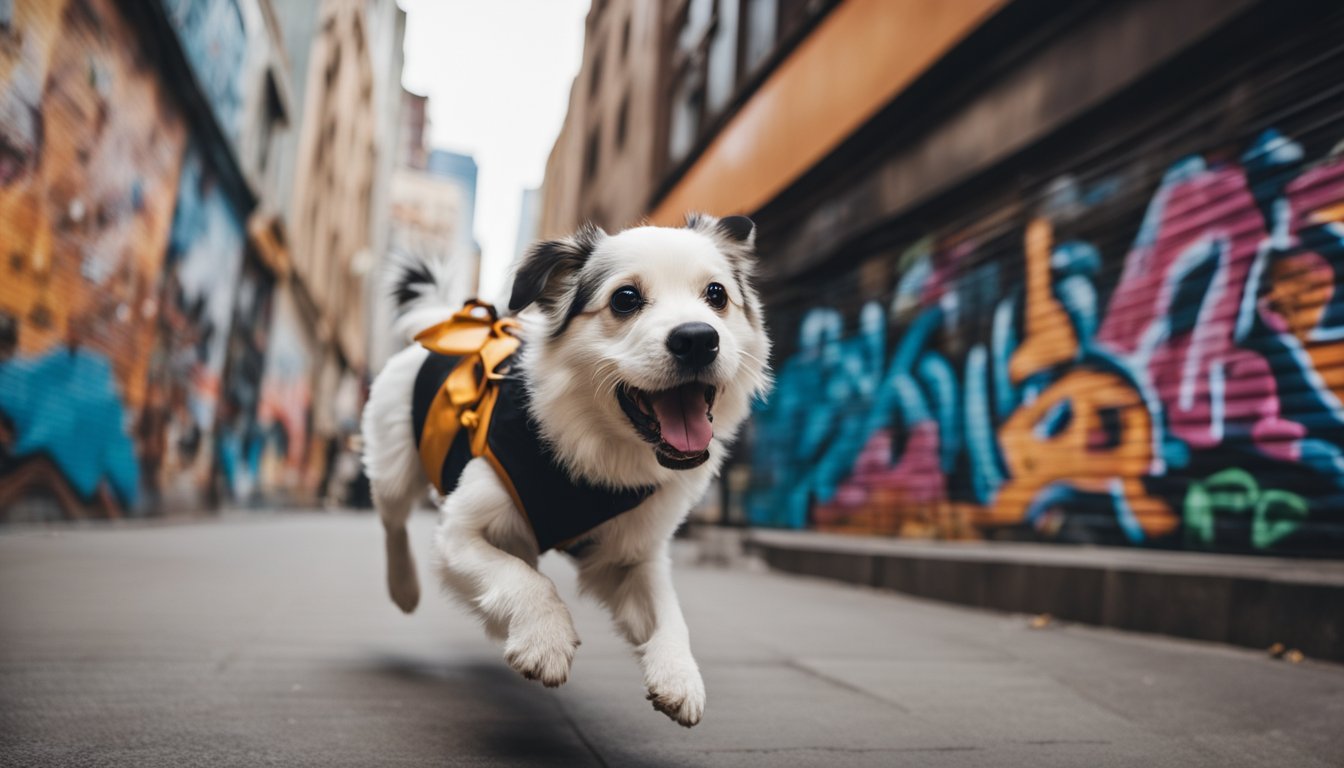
590 423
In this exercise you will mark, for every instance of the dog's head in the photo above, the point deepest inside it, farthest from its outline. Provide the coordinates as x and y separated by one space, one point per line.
646 347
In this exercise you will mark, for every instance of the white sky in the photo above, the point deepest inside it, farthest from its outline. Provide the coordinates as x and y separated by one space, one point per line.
497 73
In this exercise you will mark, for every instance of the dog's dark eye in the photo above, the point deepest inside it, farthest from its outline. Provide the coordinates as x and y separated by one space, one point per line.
626 300
716 296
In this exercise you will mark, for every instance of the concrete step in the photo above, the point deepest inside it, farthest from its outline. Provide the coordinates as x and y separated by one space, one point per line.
1240 600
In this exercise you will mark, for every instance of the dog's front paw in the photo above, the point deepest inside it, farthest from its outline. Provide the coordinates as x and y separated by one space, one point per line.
543 648
676 689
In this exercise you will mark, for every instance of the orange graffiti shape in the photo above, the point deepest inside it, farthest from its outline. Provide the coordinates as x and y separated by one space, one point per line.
1050 339
1301 287
1105 436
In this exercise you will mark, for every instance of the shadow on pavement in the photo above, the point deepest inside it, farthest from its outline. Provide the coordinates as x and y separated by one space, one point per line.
482 707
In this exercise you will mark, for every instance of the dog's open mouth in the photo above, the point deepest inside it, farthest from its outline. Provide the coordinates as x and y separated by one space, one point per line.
677 421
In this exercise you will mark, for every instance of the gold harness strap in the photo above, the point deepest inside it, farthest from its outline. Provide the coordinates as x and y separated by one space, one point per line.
484 342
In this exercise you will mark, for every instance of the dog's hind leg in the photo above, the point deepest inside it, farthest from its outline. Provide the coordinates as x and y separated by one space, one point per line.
488 558
402 583
393 466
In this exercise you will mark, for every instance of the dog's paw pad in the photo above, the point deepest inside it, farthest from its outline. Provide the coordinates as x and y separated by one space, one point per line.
543 653
681 698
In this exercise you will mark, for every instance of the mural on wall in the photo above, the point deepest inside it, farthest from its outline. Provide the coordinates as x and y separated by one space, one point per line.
90 149
215 41
197 286
1197 406
285 412
240 438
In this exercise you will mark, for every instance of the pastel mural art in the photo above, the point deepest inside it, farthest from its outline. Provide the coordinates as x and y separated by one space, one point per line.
1184 392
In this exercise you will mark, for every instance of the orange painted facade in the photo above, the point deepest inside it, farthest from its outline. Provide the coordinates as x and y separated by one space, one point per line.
862 55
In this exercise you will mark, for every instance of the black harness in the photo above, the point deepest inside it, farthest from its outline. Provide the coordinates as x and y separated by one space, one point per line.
559 508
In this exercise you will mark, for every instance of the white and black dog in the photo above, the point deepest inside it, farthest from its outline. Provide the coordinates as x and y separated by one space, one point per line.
642 352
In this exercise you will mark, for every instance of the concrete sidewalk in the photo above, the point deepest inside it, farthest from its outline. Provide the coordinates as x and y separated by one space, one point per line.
1242 600
262 641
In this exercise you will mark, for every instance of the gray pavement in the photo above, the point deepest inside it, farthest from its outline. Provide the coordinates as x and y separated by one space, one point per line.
270 641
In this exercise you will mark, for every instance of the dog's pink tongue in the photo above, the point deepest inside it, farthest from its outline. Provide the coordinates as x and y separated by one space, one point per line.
683 415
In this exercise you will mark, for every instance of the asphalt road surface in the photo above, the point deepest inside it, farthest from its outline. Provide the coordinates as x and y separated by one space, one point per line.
268 640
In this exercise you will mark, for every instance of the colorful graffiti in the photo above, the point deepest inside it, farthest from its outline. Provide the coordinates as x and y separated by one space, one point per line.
240 438
87 189
1200 408
286 402
198 283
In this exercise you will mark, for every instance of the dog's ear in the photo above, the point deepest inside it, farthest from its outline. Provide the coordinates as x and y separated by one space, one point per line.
547 262
739 229
736 232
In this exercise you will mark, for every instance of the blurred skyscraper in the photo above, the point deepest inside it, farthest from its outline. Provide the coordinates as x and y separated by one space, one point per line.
460 170
433 196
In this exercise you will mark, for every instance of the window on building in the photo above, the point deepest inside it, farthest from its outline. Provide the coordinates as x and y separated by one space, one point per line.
590 158
688 76
272 121
685 127
622 118
595 74
714 48
333 62
721 58
760 25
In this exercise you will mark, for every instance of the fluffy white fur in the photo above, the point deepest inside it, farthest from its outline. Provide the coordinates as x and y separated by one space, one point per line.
484 547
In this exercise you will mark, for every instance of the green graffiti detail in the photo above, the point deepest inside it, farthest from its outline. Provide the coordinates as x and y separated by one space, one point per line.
1274 513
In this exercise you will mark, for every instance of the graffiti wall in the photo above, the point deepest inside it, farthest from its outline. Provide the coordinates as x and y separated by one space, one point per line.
90 151
240 438
1032 377
196 297
285 409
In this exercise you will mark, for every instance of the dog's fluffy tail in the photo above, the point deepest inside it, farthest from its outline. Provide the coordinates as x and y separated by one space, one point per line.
426 291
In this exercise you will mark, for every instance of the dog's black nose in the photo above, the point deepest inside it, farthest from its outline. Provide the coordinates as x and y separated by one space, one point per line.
695 345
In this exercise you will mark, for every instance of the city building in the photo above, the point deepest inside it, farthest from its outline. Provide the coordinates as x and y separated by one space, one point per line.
1033 270
602 166
412 147
347 56
460 170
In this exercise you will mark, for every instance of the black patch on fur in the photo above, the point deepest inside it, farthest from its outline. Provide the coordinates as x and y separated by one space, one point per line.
737 228
548 260
583 293
742 289
404 289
